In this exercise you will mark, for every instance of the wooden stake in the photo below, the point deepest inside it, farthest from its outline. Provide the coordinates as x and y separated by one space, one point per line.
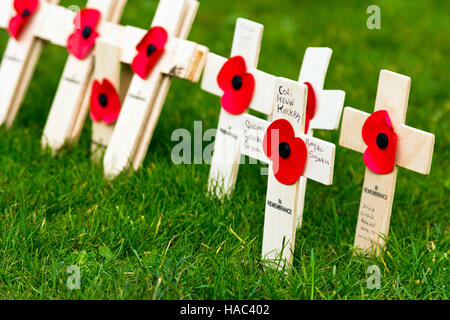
414 152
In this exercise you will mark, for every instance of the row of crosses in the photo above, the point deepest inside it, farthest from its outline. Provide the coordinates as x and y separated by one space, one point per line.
123 82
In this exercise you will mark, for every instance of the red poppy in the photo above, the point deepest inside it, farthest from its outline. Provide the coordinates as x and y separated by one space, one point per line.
237 84
105 102
83 39
310 106
24 10
287 152
150 50
381 141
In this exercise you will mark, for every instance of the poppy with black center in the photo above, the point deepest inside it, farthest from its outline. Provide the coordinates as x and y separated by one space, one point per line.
237 84
82 40
24 10
381 140
150 49
289 160
105 102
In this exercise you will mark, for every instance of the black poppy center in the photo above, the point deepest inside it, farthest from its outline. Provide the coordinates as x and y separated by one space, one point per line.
382 140
87 31
284 150
237 82
26 13
103 100
150 49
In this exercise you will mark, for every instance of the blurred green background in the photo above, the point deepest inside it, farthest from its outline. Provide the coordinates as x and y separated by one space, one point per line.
155 235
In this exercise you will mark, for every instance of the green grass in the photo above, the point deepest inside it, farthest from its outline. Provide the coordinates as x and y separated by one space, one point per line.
155 235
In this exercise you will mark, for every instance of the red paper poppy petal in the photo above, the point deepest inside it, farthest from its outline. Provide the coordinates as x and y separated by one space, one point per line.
234 66
96 108
139 65
87 18
278 131
237 101
291 169
110 113
152 61
378 161
157 36
311 106
22 5
16 26
80 47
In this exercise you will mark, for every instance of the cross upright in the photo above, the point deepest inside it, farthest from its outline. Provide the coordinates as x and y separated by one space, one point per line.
326 105
52 23
145 98
387 143
291 154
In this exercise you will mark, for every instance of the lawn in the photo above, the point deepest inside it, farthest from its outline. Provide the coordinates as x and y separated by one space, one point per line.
155 235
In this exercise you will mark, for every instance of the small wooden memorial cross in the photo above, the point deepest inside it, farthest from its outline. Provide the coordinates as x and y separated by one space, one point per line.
145 98
226 156
19 60
326 105
65 113
290 154
49 22
386 143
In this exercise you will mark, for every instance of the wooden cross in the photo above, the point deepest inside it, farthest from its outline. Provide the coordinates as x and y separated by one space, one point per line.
66 118
19 61
329 103
282 200
145 98
54 24
226 156
414 152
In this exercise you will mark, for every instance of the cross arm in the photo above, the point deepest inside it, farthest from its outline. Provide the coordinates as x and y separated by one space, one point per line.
264 84
6 12
319 165
329 110
414 147
57 24
182 58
